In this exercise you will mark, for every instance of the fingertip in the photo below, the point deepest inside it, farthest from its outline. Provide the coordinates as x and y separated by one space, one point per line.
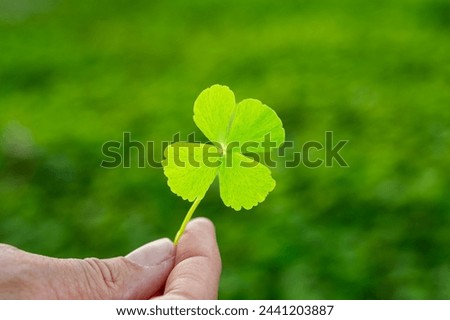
153 253
201 220
202 225
199 231
197 264
154 262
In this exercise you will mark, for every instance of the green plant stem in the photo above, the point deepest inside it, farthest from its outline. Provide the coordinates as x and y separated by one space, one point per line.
186 219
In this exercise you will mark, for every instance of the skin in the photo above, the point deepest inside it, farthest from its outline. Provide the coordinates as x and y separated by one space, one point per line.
157 270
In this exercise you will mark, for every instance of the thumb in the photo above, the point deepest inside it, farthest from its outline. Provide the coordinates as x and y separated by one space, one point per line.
138 276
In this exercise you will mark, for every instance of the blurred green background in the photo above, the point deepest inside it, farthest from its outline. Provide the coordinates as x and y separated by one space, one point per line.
75 74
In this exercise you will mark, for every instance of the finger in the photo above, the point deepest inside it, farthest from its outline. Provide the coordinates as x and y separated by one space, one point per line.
198 265
139 276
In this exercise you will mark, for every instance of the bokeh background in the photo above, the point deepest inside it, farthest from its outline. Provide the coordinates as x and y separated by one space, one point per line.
75 74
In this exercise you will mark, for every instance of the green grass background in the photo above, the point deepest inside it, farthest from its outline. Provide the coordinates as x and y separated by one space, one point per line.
75 74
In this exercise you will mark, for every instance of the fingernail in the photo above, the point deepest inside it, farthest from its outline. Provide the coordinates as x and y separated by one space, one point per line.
153 253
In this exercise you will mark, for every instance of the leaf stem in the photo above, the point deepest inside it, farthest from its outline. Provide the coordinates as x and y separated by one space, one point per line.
186 219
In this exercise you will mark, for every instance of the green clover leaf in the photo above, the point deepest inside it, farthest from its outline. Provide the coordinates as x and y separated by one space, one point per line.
231 128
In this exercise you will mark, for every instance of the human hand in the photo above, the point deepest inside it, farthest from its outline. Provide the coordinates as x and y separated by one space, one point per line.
156 270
